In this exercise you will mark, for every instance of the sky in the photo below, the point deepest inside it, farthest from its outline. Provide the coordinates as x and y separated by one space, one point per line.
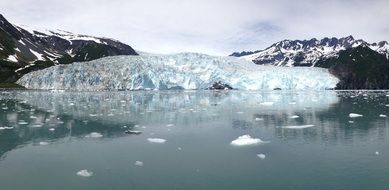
216 27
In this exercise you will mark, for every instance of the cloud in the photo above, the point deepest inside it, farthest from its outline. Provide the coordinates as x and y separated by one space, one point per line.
210 26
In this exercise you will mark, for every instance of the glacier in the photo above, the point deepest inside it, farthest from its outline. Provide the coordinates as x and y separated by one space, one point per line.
175 71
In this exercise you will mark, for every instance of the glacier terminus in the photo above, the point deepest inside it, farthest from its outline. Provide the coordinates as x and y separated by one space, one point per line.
187 71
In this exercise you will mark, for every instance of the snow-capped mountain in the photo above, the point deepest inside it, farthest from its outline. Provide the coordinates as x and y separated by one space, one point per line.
177 71
307 52
23 49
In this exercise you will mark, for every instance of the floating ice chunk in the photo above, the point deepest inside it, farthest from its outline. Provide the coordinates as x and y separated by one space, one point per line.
84 173
179 148
239 112
156 140
353 115
261 156
2 128
138 163
246 140
382 115
43 143
294 117
51 129
21 122
258 119
377 153
267 103
94 135
297 126
36 126
170 125
133 132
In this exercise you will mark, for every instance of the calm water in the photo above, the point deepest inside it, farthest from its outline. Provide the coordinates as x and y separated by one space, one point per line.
47 137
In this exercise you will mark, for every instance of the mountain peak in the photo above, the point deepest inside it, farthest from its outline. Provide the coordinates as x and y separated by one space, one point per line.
308 52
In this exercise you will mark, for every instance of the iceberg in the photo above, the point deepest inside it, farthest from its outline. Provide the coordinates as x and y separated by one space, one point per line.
176 71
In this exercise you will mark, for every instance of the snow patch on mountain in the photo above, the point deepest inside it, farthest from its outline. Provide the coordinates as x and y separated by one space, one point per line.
307 52
177 71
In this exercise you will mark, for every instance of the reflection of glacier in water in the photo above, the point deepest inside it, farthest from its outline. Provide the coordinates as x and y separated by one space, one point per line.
125 107
177 71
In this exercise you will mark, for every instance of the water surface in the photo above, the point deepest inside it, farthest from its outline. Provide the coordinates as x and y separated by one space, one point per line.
47 137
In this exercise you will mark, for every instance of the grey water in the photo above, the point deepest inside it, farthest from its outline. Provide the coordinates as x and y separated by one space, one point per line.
48 138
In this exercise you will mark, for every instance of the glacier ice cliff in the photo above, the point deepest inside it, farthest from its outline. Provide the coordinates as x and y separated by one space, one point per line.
176 71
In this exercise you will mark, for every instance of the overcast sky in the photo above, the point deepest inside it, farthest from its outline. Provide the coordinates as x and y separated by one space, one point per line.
217 27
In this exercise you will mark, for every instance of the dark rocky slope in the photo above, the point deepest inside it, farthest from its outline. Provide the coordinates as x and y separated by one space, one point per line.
23 50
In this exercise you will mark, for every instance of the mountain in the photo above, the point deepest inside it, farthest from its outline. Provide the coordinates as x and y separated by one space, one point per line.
307 52
23 49
360 68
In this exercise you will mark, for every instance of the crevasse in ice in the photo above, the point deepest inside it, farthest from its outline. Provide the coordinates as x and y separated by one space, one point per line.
176 71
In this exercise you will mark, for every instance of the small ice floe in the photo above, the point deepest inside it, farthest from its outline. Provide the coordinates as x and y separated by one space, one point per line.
258 119
350 121
292 103
22 122
267 103
138 163
353 115
377 153
156 140
297 126
387 105
133 132
35 126
239 112
179 148
294 117
33 117
94 135
51 129
84 173
170 125
382 115
261 156
246 140
43 143
3 128
93 115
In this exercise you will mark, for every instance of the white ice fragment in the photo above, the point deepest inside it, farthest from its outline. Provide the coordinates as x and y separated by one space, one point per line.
94 135
246 140
297 126
156 140
353 115
138 163
43 143
239 112
261 156
350 121
170 125
21 122
294 117
258 119
382 115
267 103
51 129
377 153
84 173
